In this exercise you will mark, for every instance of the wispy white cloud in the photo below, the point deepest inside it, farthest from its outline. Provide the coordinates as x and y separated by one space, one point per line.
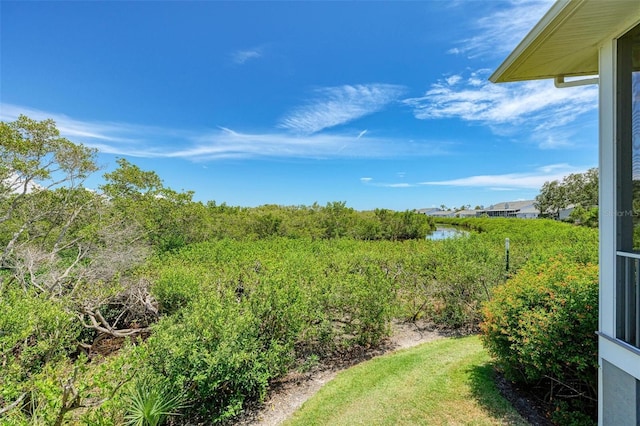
108 132
397 185
497 33
533 179
108 137
451 80
333 106
225 142
240 57
511 181
370 181
535 107
534 111
206 145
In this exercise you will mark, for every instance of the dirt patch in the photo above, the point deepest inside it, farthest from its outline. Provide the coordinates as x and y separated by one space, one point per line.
289 393
524 401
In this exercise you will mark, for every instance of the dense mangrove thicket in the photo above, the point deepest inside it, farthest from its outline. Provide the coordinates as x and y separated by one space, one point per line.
229 316
137 301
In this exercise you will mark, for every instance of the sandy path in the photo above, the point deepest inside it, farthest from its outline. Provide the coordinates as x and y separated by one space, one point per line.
293 390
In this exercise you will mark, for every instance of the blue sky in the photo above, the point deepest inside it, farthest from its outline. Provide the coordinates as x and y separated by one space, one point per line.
378 104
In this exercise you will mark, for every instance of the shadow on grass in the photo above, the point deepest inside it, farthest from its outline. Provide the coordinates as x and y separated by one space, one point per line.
499 396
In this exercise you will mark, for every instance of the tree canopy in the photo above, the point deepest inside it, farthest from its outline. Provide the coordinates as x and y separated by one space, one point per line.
576 189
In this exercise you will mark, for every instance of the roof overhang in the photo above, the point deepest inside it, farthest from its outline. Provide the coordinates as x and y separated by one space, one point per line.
565 42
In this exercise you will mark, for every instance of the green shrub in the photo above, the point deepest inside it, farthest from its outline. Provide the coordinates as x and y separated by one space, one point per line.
216 354
358 301
35 334
237 314
465 271
242 313
541 325
176 287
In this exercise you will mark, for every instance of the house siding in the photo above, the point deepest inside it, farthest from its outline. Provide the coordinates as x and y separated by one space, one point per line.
620 394
519 209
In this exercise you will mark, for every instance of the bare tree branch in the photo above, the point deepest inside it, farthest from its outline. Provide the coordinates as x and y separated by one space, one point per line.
576 391
100 324
13 405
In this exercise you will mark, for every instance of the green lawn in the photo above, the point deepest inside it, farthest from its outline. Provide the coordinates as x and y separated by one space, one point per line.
445 382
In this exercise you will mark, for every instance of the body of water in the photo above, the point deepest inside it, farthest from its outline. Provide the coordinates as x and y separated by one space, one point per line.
444 232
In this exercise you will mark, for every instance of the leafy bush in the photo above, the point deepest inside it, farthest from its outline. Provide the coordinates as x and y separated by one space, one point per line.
215 353
465 272
34 331
241 313
541 325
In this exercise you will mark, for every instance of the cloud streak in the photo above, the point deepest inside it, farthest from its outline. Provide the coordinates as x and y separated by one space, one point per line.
370 182
500 31
240 57
497 182
333 106
224 143
107 132
108 137
512 181
227 143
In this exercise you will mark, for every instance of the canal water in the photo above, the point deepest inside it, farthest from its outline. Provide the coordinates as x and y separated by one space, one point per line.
444 232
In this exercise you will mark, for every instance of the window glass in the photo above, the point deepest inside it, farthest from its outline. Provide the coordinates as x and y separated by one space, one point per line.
635 136
628 188
628 142
635 152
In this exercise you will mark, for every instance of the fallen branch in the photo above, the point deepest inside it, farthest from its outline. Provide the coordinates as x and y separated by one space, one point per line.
13 405
576 392
100 324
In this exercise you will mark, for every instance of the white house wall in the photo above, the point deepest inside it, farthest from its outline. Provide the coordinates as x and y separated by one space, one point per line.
619 363
607 190
607 202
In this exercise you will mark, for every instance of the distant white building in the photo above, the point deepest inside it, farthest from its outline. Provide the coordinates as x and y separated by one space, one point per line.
442 213
528 212
466 213
520 209
564 214
436 212
429 211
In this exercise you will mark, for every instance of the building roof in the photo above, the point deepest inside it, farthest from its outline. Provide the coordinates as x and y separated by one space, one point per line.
442 213
466 212
429 210
510 205
566 40
531 209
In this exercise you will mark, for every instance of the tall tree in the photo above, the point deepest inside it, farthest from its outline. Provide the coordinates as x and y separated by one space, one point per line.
169 218
130 182
577 189
39 168
56 237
